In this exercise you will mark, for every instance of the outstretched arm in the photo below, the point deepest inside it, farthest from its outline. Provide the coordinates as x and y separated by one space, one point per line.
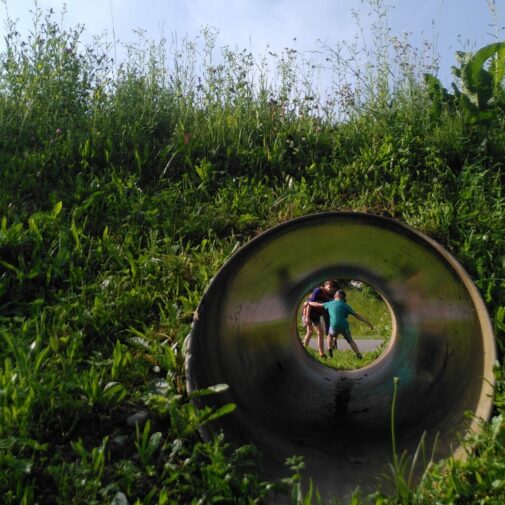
315 304
361 318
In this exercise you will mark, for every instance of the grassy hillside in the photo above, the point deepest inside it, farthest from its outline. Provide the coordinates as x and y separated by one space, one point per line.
125 187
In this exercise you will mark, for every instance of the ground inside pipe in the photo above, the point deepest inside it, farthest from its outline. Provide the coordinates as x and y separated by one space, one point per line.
245 335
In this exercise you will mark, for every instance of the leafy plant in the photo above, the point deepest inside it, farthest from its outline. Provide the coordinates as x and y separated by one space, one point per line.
147 443
482 95
126 186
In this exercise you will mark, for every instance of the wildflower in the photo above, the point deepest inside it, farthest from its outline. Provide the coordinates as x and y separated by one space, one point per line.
58 132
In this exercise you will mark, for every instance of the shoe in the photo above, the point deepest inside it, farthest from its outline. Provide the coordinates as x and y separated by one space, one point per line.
330 353
322 356
359 356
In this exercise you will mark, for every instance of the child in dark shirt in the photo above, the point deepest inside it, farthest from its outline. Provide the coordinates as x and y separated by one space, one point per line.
312 314
339 311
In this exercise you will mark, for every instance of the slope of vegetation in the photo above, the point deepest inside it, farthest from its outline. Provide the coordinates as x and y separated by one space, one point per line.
124 187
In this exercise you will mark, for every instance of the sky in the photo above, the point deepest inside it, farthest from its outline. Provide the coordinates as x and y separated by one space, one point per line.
452 25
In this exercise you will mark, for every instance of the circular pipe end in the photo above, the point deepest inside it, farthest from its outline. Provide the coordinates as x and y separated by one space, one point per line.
442 351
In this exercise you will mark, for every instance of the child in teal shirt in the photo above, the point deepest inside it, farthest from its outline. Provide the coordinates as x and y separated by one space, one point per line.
339 311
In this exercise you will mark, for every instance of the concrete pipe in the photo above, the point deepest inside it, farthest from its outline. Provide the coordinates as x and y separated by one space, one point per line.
442 350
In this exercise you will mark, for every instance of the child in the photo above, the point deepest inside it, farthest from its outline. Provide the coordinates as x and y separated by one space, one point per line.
312 314
339 311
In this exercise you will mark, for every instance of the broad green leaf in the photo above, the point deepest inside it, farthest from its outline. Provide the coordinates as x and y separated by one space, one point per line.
225 409
7 443
119 499
154 441
41 356
217 388
57 208
75 234
476 78
32 226
498 67
9 266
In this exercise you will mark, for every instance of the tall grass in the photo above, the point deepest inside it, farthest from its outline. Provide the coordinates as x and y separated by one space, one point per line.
126 185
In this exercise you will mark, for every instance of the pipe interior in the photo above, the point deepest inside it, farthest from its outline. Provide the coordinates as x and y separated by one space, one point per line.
245 335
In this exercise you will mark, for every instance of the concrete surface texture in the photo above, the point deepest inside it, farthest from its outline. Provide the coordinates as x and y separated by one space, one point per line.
244 335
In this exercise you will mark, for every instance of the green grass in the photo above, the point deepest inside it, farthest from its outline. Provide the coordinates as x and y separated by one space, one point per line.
346 359
124 190
367 302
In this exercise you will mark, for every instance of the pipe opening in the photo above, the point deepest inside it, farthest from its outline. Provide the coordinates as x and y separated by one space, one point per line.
313 325
246 335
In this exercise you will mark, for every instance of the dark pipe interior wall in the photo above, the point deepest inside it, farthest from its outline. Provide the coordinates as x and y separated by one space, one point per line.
442 349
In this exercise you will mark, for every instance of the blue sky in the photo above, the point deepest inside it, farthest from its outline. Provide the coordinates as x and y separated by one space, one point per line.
254 24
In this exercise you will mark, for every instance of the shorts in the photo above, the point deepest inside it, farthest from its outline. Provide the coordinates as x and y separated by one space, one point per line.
315 318
345 332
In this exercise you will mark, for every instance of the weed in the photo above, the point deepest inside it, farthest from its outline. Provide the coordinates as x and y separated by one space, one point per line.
126 186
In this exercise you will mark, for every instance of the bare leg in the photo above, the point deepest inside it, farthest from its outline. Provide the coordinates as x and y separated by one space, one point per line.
332 342
308 335
320 339
353 345
325 327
